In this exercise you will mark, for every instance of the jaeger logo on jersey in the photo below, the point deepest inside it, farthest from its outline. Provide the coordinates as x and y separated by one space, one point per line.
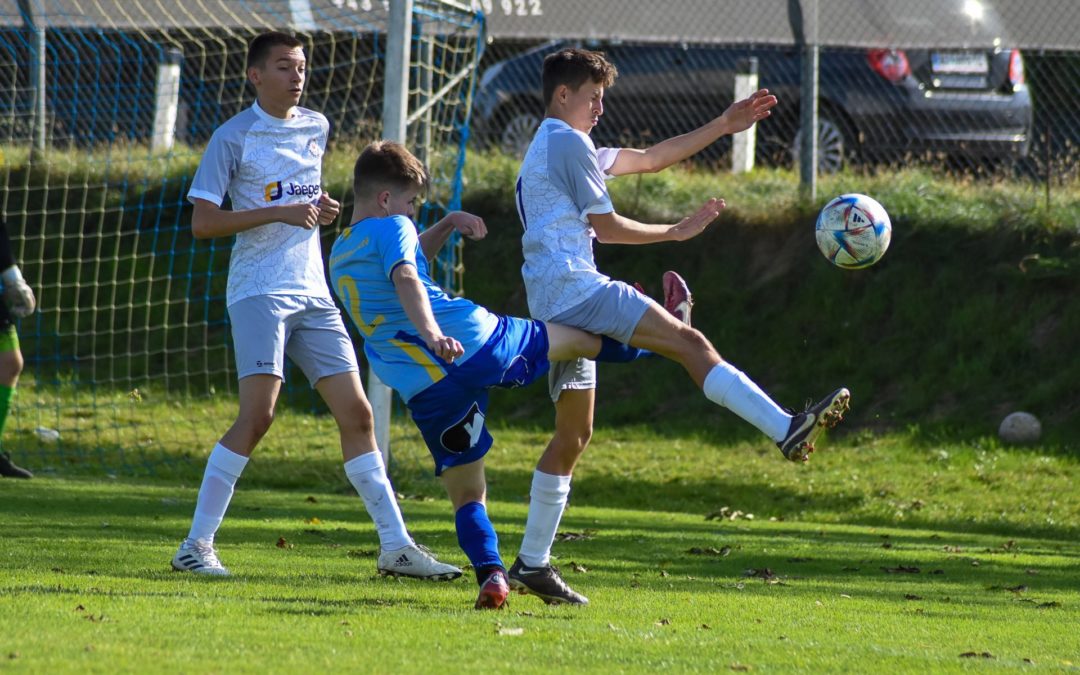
275 191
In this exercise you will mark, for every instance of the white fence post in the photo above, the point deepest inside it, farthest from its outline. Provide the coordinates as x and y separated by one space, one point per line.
395 112
742 143
166 101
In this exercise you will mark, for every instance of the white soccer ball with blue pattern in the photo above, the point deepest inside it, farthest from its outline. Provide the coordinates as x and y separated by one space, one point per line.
853 231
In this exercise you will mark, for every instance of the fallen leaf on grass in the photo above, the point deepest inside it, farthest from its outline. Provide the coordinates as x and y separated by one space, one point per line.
912 596
763 573
510 631
574 536
311 500
901 569
663 622
845 595
706 626
281 543
722 552
740 667
1048 605
1029 571
976 655
312 521
664 573
578 568
728 513
799 560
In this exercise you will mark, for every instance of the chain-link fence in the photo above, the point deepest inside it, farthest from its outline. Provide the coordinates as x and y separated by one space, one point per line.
960 85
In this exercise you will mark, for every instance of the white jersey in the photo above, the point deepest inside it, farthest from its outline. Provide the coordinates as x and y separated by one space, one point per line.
560 183
260 160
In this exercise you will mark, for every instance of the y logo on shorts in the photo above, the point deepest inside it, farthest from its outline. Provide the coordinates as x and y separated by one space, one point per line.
465 434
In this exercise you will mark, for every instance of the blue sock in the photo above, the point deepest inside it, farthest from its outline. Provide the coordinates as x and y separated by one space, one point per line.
477 537
613 351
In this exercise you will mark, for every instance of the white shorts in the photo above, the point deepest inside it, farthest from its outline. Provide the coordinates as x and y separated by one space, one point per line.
615 310
308 329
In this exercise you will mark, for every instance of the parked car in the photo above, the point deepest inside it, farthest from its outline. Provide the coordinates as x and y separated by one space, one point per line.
873 104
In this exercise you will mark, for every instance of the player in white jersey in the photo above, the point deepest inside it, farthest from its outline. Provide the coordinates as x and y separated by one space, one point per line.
563 203
268 159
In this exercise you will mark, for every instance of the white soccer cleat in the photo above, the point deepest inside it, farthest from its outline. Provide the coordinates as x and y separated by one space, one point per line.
199 557
415 561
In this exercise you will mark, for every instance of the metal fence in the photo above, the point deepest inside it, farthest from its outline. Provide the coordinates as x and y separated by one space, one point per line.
959 85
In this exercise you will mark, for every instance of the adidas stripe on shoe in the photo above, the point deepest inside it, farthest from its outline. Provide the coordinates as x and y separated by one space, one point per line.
199 557
415 561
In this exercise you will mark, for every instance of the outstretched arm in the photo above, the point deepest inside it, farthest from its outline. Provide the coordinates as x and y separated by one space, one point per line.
739 116
414 301
435 237
611 228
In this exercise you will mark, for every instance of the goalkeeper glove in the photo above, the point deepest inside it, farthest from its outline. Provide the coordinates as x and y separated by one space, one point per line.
18 297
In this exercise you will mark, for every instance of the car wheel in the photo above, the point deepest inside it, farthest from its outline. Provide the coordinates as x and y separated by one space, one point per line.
833 148
518 132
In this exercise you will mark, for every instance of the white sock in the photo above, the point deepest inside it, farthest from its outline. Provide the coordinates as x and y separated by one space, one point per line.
547 500
368 475
730 387
223 468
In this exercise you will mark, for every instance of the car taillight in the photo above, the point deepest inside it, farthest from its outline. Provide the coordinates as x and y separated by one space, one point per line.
892 64
1016 68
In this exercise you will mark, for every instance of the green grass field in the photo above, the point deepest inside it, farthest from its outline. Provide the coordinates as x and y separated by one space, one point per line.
913 542
884 554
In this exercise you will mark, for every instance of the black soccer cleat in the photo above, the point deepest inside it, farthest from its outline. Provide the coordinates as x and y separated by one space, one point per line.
808 425
545 583
9 469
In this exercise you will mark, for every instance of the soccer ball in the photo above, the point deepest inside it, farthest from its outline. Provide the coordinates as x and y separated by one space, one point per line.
853 231
1020 428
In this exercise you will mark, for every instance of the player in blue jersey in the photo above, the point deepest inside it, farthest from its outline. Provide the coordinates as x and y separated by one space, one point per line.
268 159
18 303
441 354
564 205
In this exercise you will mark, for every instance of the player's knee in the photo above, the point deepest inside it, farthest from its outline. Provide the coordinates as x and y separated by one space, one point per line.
11 366
258 423
357 418
574 441
693 343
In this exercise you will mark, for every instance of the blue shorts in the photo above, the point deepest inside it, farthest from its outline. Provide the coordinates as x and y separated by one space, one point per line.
451 413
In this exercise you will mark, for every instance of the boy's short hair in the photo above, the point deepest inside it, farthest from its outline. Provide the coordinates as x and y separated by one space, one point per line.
387 165
573 67
264 43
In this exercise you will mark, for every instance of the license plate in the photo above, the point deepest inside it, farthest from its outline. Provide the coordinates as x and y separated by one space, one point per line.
960 63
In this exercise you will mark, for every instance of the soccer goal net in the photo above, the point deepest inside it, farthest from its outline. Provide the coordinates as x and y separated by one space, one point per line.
105 108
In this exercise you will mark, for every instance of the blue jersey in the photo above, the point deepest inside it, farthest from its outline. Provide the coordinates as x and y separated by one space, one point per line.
361 264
